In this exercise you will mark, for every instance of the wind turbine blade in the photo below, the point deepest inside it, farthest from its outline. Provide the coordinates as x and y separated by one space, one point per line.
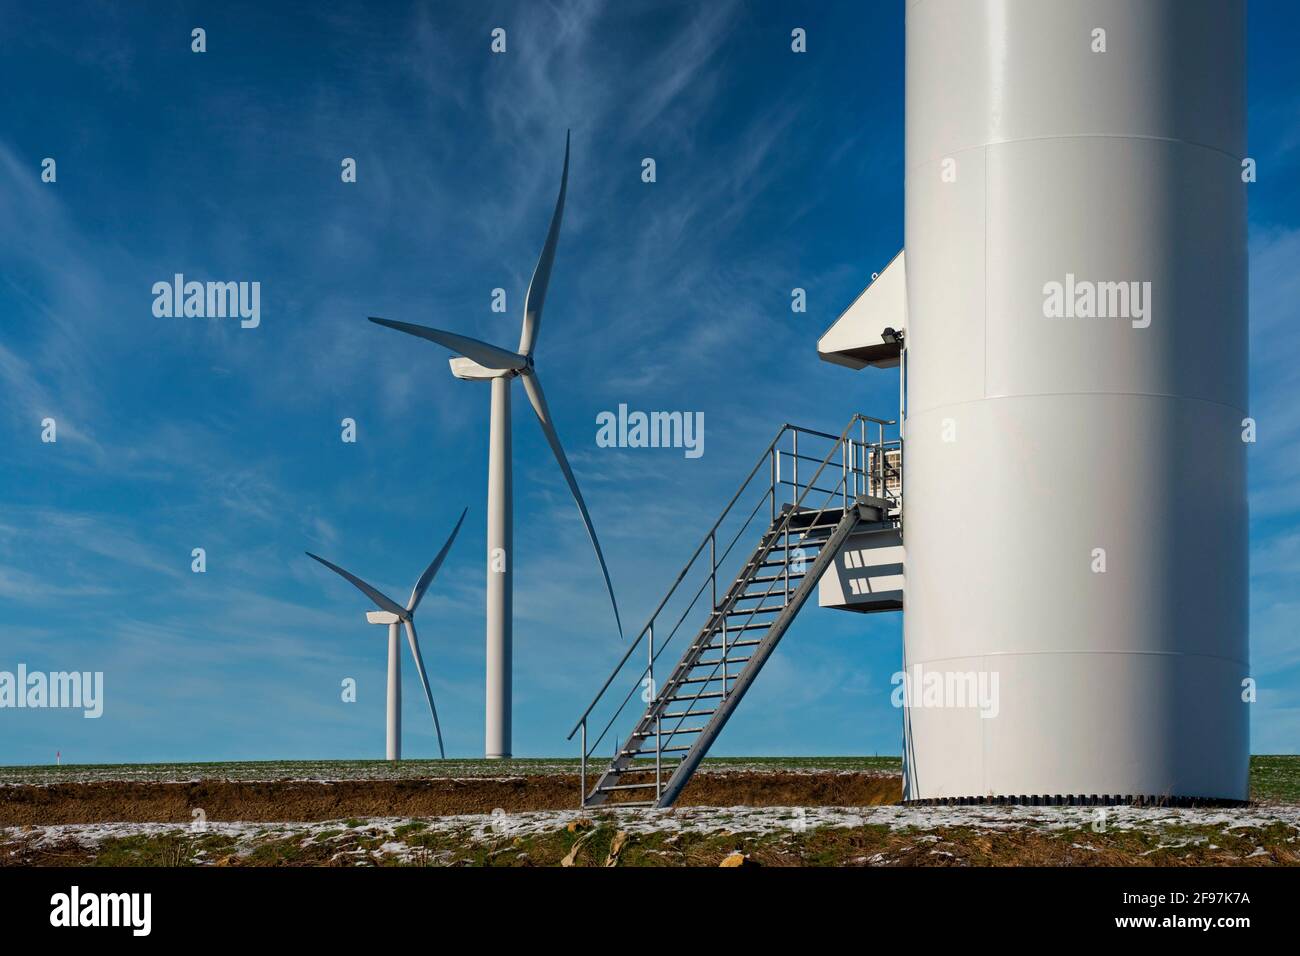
426 578
536 297
374 594
533 386
419 668
489 356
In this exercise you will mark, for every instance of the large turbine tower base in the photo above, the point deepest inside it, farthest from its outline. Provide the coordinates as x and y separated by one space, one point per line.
1062 466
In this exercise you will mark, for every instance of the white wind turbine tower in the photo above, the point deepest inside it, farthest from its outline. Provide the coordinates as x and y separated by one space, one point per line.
479 361
394 616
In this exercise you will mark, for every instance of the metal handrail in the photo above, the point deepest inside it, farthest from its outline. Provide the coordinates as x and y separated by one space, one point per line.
673 633
680 576
772 453
777 534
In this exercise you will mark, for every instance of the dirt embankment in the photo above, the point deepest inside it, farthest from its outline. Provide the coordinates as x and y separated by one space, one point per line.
311 800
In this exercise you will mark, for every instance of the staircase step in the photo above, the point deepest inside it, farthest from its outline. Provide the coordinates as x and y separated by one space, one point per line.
651 753
808 524
802 530
643 765
664 734
756 610
743 627
688 713
796 527
776 577
710 695
720 660
610 787
774 580
702 680
811 542
775 557
730 645
772 591
715 621
782 595
775 588
674 733
781 562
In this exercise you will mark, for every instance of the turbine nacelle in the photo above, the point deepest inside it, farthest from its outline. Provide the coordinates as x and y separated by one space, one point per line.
382 617
468 369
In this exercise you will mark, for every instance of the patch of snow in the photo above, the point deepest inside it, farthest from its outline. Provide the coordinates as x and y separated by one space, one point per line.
756 821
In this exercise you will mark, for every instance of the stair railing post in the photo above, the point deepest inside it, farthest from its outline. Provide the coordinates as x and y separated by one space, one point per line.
786 563
654 698
844 469
650 654
862 425
794 484
883 455
723 632
900 476
854 487
582 769
851 485
659 749
713 567
776 476
880 471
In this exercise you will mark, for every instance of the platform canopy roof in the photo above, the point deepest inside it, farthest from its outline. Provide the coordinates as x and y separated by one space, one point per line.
869 332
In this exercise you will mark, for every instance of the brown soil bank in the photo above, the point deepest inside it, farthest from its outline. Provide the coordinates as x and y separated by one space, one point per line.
124 802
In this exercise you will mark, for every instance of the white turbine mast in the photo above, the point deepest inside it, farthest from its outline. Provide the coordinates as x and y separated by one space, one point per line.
480 361
395 616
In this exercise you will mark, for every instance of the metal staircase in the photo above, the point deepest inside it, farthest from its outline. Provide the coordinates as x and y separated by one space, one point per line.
853 487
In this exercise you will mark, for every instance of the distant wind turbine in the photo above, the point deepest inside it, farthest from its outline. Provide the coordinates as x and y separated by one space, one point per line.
394 615
480 361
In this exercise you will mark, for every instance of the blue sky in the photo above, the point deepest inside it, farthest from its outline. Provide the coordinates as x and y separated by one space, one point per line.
774 171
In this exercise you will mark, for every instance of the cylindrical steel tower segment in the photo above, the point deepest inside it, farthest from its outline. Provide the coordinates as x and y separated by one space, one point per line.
1076 521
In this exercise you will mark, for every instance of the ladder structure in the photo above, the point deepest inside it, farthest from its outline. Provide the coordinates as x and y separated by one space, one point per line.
804 509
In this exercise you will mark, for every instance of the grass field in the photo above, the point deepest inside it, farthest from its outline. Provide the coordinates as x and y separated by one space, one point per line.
326 770
1273 778
1264 834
